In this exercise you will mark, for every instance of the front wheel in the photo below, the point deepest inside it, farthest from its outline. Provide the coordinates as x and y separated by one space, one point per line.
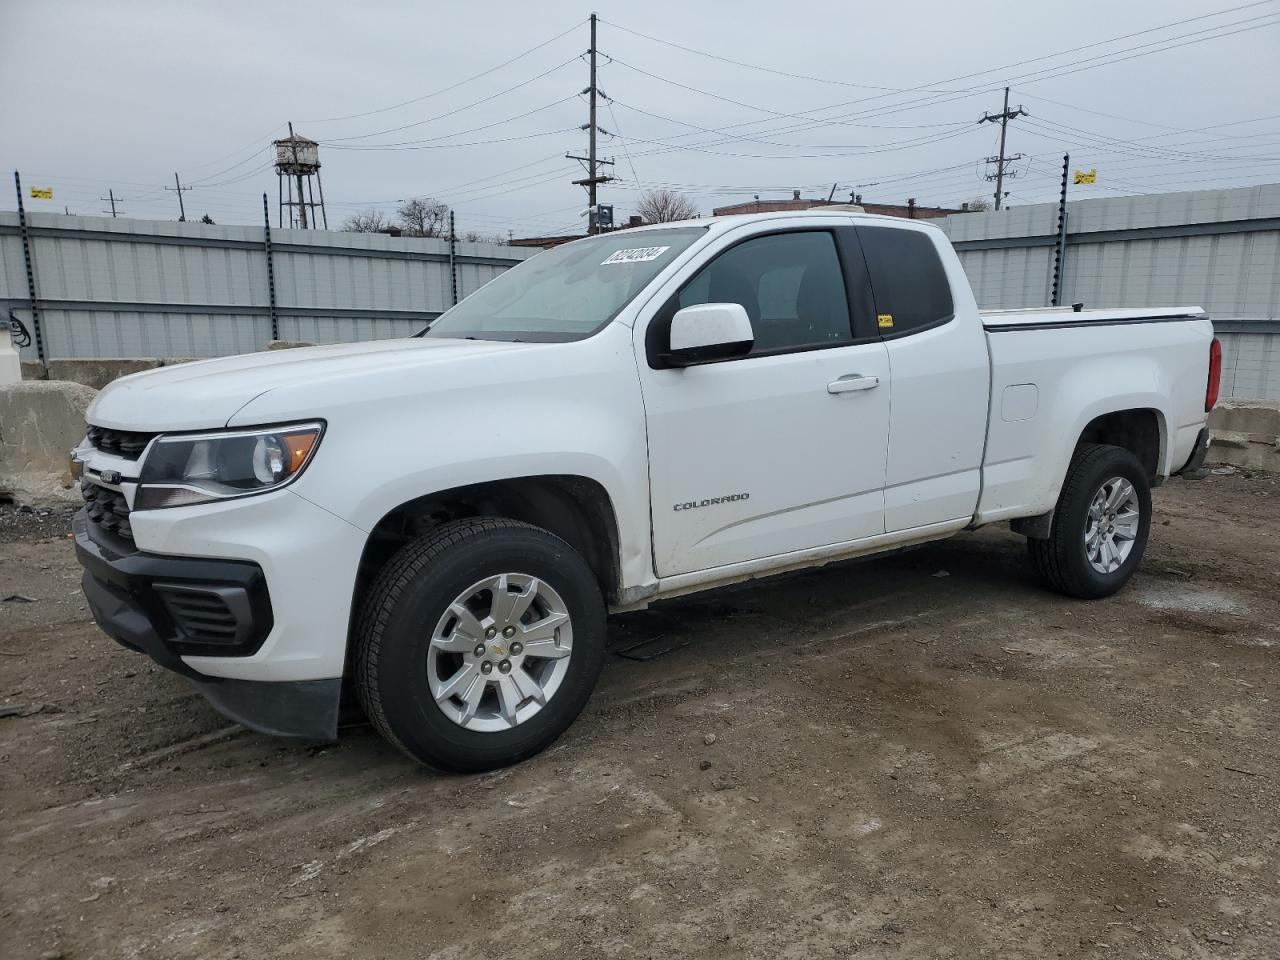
1100 525
479 644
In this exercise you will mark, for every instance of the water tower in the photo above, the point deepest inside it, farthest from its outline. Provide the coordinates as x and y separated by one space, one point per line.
297 162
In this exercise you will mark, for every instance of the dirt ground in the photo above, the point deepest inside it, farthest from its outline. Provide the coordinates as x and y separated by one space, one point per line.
924 755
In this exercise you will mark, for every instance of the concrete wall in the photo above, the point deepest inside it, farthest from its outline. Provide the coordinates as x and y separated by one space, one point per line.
40 421
1246 433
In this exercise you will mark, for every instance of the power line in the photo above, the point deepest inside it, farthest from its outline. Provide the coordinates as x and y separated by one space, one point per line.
860 152
773 143
256 144
626 152
929 101
237 179
442 146
1145 123
456 187
450 113
1031 78
1145 150
460 133
756 66
452 86
235 166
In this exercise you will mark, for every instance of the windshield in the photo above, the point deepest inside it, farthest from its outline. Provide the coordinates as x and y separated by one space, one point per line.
568 292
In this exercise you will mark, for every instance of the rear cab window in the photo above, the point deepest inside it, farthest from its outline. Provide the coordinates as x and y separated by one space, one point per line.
908 280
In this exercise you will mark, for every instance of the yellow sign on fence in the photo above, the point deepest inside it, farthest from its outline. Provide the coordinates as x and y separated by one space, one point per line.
1087 176
42 193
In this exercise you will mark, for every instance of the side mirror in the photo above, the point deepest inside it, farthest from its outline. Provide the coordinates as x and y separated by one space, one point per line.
709 331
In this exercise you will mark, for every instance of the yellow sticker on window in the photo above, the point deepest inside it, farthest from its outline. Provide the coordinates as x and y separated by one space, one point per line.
885 321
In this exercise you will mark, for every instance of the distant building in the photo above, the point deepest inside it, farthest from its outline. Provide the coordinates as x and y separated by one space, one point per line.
545 242
909 210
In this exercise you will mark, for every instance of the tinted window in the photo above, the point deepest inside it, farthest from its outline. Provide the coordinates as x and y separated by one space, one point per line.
790 285
910 285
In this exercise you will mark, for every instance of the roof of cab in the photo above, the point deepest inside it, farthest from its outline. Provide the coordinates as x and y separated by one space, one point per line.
736 219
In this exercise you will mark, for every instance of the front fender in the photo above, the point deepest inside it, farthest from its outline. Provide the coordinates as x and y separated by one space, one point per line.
580 416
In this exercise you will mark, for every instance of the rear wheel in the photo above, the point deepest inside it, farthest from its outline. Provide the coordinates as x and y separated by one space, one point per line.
479 644
1100 525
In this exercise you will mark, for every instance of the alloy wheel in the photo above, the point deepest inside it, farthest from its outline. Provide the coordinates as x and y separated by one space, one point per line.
500 652
1112 525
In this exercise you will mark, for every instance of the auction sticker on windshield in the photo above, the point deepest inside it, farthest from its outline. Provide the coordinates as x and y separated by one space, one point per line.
635 255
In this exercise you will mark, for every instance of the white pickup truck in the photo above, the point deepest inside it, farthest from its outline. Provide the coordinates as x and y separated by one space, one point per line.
442 523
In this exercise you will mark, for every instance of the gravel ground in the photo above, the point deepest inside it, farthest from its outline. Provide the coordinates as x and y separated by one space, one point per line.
923 755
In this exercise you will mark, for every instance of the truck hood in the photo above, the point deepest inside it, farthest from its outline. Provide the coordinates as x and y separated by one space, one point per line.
206 394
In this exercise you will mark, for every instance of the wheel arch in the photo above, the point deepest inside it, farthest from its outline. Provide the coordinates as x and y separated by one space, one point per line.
575 508
1140 430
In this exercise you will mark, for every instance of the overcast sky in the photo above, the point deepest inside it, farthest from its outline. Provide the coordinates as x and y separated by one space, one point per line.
97 95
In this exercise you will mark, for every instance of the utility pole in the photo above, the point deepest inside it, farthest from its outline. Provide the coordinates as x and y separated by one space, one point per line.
1004 116
177 185
593 177
111 196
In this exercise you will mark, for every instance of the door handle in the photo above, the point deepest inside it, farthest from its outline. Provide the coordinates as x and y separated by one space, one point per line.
851 382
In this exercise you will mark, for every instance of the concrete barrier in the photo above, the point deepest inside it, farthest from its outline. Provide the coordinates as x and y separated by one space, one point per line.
40 421
96 373
1246 433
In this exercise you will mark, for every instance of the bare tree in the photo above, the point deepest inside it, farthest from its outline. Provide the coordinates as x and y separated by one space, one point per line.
423 217
367 221
978 204
475 236
663 206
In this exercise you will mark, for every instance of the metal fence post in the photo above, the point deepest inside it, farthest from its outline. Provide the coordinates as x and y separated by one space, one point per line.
453 260
1060 253
36 331
271 271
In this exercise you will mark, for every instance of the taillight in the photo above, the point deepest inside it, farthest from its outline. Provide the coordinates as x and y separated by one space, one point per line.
1215 374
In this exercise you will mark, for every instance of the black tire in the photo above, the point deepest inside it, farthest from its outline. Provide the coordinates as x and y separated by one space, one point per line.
1061 560
408 598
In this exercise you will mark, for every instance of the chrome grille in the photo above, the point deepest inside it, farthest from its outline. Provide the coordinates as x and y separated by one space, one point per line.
121 443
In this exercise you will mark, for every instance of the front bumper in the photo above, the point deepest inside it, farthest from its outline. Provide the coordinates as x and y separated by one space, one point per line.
169 607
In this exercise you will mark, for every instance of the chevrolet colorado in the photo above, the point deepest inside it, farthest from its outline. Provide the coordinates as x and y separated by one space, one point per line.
443 522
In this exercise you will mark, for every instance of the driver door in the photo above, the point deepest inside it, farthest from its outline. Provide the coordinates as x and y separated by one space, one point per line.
783 449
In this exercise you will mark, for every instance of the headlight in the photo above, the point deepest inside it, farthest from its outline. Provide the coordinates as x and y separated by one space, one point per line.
197 468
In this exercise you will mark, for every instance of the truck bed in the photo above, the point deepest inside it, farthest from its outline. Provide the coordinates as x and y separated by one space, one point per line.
1065 368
